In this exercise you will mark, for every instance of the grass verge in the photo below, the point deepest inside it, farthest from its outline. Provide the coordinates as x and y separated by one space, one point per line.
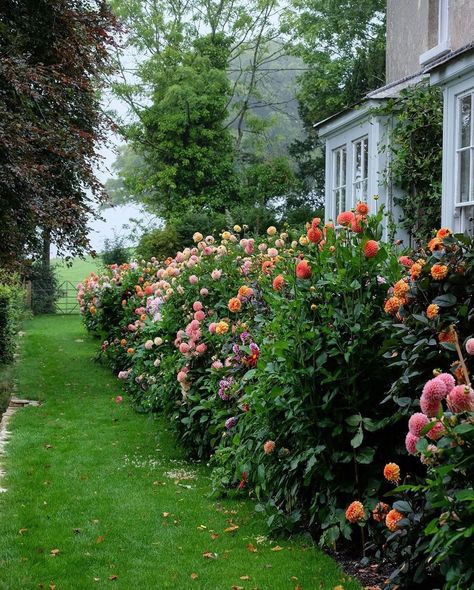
100 497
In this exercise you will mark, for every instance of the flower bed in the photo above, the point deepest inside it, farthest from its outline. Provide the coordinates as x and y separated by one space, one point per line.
277 360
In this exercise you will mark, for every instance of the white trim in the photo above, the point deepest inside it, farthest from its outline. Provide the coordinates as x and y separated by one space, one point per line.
451 210
443 45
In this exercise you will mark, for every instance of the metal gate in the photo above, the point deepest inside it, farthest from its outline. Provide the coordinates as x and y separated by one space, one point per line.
66 302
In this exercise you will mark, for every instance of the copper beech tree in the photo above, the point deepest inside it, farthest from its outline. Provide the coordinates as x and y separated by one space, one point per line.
53 54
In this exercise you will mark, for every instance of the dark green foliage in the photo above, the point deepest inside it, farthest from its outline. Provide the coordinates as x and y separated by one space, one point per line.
159 243
416 144
11 308
115 251
44 288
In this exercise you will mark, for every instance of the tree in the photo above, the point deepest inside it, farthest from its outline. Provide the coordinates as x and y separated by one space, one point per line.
343 45
186 148
52 56
201 96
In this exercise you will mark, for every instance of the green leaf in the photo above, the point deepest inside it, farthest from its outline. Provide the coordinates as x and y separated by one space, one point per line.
446 300
358 438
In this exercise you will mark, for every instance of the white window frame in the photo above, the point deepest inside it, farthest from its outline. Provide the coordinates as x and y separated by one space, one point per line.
443 45
364 179
454 213
338 188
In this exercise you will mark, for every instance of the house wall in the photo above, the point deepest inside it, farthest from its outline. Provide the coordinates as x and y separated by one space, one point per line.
412 30
407 37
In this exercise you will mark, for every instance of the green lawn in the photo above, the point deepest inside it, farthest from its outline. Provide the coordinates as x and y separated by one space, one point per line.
100 497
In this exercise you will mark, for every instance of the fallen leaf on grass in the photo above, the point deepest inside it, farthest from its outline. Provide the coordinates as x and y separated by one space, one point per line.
194 576
202 527
48 447
52 586
54 552
209 555
237 588
231 529
100 539
251 548
214 536
22 531
245 578
166 514
277 548
113 577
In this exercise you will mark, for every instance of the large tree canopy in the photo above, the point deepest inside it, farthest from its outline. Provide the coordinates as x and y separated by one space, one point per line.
52 55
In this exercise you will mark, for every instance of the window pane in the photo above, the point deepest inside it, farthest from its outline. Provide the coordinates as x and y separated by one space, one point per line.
342 199
364 191
337 171
343 167
464 174
465 121
366 159
358 161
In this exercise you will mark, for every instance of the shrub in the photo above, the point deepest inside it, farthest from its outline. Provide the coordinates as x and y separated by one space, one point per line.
11 307
159 243
244 342
433 310
44 288
115 251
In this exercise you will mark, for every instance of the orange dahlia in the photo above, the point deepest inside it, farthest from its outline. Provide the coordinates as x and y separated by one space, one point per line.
362 208
303 270
432 311
371 249
355 512
345 218
392 519
439 271
314 234
234 304
400 289
380 511
245 292
222 328
435 244
392 305
278 282
267 267
391 473
443 232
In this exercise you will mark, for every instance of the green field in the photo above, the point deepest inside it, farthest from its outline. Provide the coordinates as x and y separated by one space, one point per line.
78 269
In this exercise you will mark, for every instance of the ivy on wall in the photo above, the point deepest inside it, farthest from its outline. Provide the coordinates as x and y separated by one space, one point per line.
416 141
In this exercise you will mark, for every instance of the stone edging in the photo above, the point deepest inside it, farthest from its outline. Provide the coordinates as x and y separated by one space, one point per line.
15 404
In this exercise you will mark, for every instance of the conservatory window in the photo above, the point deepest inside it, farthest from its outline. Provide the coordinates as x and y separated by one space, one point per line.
339 179
464 205
438 30
360 170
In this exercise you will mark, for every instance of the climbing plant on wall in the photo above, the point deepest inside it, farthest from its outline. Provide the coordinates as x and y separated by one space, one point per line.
415 141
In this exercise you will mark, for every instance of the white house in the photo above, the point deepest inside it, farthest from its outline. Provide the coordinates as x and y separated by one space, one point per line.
430 41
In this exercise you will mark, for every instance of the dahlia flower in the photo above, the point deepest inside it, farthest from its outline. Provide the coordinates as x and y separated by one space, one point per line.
429 405
234 304
355 512
432 311
439 272
371 249
391 473
231 422
269 447
410 443
362 208
345 218
461 399
380 511
435 389
470 346
392 519
448 380
417 422
437 431
303 270
271 231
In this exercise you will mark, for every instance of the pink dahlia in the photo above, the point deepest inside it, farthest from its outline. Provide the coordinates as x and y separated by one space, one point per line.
197 306
201 348
199 316
410 443
429 406
470 346
181 377
448 380
183 348
437 431
212 327
149 344
435 389
461 399
417 422
193 279
204 292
